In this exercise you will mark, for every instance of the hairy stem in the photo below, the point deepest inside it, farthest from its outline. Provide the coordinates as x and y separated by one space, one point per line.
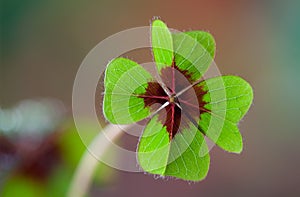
84 173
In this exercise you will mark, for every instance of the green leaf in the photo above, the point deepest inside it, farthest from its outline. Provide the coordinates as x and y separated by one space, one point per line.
22 186
154 147
194 53
124 81
162 44
185 156
228 99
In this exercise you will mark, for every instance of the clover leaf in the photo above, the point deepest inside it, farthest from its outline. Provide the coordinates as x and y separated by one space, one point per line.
182 108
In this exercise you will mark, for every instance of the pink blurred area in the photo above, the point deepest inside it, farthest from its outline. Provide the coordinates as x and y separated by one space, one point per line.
44 44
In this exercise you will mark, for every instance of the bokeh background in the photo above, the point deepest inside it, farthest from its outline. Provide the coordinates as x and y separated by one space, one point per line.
43 43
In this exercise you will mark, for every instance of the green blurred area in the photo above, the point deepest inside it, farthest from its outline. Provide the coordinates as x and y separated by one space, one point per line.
29 182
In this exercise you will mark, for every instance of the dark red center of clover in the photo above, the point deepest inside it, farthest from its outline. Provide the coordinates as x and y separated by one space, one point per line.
182 108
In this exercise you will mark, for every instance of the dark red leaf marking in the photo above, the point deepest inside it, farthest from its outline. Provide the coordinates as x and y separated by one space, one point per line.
154 94
192 101
172 119
182 109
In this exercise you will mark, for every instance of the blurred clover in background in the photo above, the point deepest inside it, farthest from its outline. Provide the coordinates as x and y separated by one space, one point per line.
40 149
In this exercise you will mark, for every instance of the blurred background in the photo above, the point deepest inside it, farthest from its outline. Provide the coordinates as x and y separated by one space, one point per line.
43 43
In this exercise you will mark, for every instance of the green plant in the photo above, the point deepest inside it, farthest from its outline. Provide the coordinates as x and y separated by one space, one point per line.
172 143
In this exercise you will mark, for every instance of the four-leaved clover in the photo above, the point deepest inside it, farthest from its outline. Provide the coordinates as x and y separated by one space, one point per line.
183 110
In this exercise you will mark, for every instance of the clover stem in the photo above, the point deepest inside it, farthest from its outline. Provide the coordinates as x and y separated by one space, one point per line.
84 173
